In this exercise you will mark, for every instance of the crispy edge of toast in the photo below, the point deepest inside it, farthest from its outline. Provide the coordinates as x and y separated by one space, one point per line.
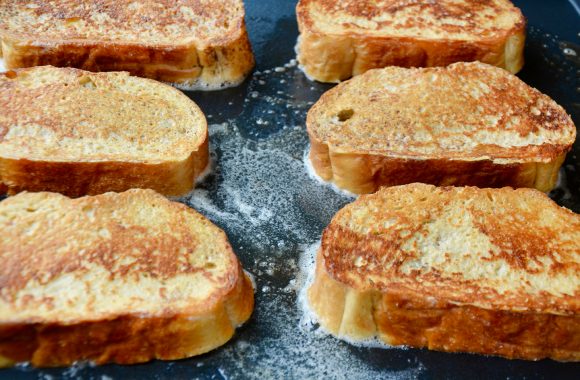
187 66
336 57
130 338
364 173
76 179
408 318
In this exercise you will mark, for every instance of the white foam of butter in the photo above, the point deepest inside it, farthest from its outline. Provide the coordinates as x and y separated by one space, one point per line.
200 85
259 182
304 279
2 65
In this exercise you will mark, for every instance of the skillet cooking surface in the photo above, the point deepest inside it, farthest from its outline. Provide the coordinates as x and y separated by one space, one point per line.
260 193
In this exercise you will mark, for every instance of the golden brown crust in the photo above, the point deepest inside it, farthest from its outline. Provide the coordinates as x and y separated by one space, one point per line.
195 45
467 124
453 269
407 318
340 40
76 179
365 173
109 321
410 237
58 133
128 339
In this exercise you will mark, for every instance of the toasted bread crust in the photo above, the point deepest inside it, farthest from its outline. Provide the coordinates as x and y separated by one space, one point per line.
193 60
395 126
362 173
52 116
76 179
128 339
387 267
333 54
408 318
51 325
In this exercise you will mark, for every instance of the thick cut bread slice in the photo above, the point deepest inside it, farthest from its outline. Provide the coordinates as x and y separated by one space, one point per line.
466 124
340 39
198 44
490 271
121 278
75 132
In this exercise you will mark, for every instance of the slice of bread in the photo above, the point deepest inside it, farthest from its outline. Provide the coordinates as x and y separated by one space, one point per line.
340 39
197 44
466 124
121 278
76 133
489 271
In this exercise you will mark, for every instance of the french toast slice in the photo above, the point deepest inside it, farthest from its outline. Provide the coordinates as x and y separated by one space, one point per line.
196 44
489 271
340 39
77 133
465 124
118 277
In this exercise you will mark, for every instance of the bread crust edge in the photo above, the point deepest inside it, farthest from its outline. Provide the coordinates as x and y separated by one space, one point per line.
364 173
75 179
406 318
130 339
188 66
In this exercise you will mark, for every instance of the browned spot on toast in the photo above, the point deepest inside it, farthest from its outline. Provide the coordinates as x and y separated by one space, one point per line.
509 248
447 16
160 19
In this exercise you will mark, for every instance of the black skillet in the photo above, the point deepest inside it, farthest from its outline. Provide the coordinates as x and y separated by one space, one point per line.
260 194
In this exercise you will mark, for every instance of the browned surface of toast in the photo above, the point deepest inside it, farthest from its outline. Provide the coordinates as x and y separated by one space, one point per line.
121 278
466 124
490 271
195 43
76 133
346 38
